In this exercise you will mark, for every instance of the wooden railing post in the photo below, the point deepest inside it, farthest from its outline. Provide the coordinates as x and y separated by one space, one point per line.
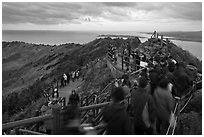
122 59
64 102
161 40
56 119
37 113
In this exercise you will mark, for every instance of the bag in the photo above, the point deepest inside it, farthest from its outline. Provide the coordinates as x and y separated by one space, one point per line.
145 115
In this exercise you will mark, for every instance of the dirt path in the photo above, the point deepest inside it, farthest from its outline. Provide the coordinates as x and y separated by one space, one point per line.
66 91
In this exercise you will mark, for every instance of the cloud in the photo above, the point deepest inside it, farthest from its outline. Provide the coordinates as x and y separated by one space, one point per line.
69 13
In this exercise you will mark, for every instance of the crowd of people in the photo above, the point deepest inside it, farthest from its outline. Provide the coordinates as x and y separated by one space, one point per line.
131 58
152 98
149 109
65 79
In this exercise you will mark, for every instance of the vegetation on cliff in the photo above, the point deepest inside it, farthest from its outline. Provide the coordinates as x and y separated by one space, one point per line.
29 68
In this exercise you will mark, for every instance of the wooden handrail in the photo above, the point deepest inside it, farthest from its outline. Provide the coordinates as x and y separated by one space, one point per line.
26 121
93 106
100 126
31 132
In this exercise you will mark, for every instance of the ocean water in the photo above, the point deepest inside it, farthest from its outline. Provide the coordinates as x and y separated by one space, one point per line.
82 37
49 37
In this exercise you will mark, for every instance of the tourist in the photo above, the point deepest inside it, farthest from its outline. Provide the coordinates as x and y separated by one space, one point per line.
143 109
118 121
55 94
73 76
70 122
65 79
68 78
164 105
77 74
182 81
154 76
74 98
62 82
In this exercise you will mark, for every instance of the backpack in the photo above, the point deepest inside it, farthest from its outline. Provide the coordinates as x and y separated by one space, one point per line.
145 116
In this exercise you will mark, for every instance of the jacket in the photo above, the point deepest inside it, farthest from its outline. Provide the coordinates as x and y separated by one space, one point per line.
164 103
118 122
139 98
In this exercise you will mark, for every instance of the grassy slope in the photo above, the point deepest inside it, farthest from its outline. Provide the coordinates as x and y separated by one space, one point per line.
51 62
29 68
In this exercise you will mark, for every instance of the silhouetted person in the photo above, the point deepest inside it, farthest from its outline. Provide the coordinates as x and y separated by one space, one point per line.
154 76
182 81
143 109
118 121
137 57
164 104
73 76
74 98
62 82
68 78
70 122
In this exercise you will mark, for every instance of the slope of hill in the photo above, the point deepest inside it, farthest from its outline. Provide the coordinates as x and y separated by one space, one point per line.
29 68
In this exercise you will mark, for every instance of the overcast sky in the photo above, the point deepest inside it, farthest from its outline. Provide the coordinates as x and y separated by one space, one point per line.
120 16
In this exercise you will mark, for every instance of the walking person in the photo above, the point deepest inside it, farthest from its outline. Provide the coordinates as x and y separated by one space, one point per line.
118 121
77 74
164 105
73 76
62 82
74 98
65 79
68 78
143 109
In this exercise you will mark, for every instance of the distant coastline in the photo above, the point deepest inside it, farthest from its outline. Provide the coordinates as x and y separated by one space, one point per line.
119 36
194 36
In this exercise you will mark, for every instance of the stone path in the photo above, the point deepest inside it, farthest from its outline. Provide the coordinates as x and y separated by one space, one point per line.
67 90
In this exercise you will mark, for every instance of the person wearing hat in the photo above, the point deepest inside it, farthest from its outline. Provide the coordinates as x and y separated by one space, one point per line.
143 109
118 121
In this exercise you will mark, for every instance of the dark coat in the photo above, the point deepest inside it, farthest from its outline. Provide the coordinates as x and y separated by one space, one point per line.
154 76
182 81
164 103
139 97
118 122
74 99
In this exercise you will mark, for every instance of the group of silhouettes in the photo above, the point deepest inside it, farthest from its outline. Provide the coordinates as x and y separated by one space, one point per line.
151 98
150 110
65 78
